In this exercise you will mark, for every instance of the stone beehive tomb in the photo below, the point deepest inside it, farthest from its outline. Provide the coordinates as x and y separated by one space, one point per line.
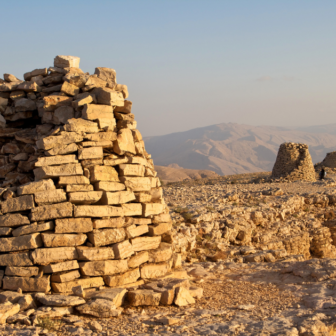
294 162
81 204
329 161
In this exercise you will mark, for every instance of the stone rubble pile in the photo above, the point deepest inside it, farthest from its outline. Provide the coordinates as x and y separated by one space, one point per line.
81 206
252 224
294 162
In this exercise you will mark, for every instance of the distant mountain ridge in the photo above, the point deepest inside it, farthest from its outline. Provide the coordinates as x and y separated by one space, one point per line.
231 148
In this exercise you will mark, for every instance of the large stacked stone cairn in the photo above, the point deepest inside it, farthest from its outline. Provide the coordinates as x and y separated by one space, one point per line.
294 162
82 208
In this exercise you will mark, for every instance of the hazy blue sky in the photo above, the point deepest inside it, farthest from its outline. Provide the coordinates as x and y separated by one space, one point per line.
190 63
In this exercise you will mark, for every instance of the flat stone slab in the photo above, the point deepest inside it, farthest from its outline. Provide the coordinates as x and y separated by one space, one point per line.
100 308
27 284
143 297
12 220
59 300
45 256
27 242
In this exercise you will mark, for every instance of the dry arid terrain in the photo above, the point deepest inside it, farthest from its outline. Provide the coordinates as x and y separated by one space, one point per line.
230 148
259 257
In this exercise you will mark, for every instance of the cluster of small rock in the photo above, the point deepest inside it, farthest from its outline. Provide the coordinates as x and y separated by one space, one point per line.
294 162
252 223
81 204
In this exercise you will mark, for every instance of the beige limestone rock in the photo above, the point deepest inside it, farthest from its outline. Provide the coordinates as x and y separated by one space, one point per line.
159 229
106 267
81 125
20 243
109 223
65 138
107 74
138 259
162 218
45 256
8 309
90 153
78 187
73 225
57 171
95 111
183 297
61 267
133 231
62 115
103 173
100 308
82 101
22 271
95 253
63 149
51 103
122 279
61 61
124 142
54 211
150 209
137 221
27 284
12 220
85 197
132 170
153 271
5 231
132 209
80 180
69 89
106 236
65 277
109 186
109 97
37 72
50 197
123 250
32 228
15 259
116 295
97 211
143 197
55 160
63 239
102 136
67 287
163 253
18 204
145 243
120 197
143 297
59 300
137 183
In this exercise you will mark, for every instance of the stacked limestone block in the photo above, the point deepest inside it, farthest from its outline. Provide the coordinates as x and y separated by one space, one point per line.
294 162
81 204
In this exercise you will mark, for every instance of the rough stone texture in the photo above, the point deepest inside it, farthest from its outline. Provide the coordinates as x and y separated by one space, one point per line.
294 162
143 298
95 183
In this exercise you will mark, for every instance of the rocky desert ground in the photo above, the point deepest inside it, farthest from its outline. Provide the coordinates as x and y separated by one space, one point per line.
258 255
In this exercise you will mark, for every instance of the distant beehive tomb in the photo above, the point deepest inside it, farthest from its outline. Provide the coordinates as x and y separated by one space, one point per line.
294 162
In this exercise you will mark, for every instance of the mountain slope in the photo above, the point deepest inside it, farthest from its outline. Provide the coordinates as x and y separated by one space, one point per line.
234 148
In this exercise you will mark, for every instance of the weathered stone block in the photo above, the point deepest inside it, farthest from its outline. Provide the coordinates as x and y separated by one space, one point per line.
18 204
109 223
132 209
50 197
120 197
21 271
85 197
123 249
97 211
103 173
143 297
12 220
73 225
61 267
20 243
95 253
122 279
138 259
27 284
62 239
106 267
54 161
67 287
133 231
109 186
146 243
106 236
45 256
53 211
57 171
90 153
153 271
